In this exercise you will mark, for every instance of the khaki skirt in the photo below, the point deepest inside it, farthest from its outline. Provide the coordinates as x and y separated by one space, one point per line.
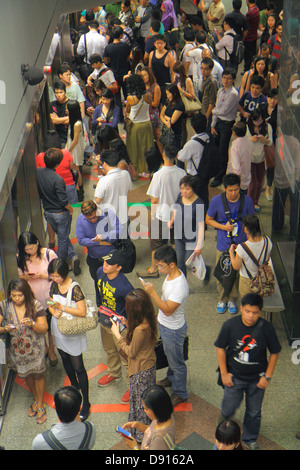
138 140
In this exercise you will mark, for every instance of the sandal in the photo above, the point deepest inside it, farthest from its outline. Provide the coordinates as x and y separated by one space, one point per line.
31 411
43 418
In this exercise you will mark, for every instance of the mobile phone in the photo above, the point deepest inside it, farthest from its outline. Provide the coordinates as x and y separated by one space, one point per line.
50 302
12 327
123 432
144 282
31 274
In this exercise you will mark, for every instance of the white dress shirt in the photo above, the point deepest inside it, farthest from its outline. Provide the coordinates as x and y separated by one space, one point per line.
95 44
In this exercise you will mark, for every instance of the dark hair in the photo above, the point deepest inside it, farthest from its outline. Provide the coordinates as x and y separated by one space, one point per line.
264 46
51 140
27 238
209 62
95 58
228 432
237 4
59 85
153 158
157 399
201 37
63 68
240 129
119 146
189 180
155 25
20 285
67 403
53 157
115 22
166 254
195 20
151 75
230 21
74 115
270 6
251 222
94 24
253 299
189 34
255 115
135 85
103 136
139 307
229 71
88 207
231 179
110 157
257 80
170 152
59 266
273 92
266 61
199 122
160 37
173 89
117 32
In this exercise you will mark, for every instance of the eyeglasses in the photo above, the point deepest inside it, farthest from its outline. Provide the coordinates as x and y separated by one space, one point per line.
162 266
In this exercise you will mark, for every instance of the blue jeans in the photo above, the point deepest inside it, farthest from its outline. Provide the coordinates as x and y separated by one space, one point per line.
182 253
61 224
72 193
173 347
253 399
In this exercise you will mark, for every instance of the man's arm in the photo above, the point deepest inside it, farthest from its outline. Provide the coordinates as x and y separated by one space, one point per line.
167 307
263 382
225 375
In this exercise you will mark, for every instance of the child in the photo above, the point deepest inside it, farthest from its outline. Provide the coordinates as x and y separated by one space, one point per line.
240 155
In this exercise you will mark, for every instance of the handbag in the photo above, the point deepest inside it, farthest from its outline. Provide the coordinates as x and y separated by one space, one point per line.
191 105
70 324
237 351
197 266
128 123
167 137
270 155
5 337
161 358
264 281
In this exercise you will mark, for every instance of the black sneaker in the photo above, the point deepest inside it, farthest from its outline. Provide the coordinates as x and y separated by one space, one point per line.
76 266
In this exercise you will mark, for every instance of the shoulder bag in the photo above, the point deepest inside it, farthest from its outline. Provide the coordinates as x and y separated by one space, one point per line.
70 324
264 281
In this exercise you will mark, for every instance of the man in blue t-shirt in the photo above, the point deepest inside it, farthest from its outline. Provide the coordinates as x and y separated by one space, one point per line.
252 99
113 287
228 231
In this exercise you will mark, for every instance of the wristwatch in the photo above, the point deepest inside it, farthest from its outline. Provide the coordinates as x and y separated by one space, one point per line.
268 379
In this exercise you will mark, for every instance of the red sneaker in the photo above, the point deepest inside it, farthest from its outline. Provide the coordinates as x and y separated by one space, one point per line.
107 380
125 397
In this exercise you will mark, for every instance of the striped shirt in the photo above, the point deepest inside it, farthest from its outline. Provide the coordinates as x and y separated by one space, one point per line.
275 47
253 17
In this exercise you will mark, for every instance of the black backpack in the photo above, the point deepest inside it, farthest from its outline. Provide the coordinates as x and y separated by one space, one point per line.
209 163
237 55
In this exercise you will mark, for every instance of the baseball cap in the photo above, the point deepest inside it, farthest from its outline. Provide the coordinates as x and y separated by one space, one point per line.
115 257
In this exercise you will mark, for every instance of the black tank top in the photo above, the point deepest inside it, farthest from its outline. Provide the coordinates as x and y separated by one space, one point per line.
160 71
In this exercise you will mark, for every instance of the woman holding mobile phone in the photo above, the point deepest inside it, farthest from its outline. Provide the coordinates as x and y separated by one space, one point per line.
24 319
33 261
139 348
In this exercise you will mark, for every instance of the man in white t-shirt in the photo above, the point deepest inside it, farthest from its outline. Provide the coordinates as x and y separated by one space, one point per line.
112 189
164 190
171 320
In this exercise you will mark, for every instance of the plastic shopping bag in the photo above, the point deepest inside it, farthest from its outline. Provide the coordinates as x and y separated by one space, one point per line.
197 266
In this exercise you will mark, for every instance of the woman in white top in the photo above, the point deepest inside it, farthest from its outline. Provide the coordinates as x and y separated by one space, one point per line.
260 247
140 136
70 347
260 133
76 141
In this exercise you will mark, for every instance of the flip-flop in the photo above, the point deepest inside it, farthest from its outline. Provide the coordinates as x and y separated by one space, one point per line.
31 411
43 418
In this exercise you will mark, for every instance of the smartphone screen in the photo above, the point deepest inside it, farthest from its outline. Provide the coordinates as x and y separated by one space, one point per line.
124 432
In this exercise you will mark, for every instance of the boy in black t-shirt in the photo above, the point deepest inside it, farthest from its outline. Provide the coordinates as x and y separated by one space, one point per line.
113 287
242 347
58 114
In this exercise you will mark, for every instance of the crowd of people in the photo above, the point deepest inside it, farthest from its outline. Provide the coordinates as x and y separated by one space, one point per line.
153 69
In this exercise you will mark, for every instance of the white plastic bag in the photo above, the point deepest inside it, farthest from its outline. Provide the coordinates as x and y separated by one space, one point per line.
197 266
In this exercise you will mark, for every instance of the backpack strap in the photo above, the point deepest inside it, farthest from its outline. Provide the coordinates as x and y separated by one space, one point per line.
251 255
87 436
52 441
201 142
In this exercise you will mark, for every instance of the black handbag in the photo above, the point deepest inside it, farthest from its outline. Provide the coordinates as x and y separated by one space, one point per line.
167 137
237 351
161 358
5 336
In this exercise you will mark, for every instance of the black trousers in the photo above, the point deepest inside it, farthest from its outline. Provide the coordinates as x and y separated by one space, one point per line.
224 130
250 52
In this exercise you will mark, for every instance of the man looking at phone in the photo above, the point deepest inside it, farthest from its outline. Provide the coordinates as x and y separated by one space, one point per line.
113 288
171 320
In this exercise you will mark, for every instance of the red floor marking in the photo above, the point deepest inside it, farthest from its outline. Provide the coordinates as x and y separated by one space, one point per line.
90 177
97 408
